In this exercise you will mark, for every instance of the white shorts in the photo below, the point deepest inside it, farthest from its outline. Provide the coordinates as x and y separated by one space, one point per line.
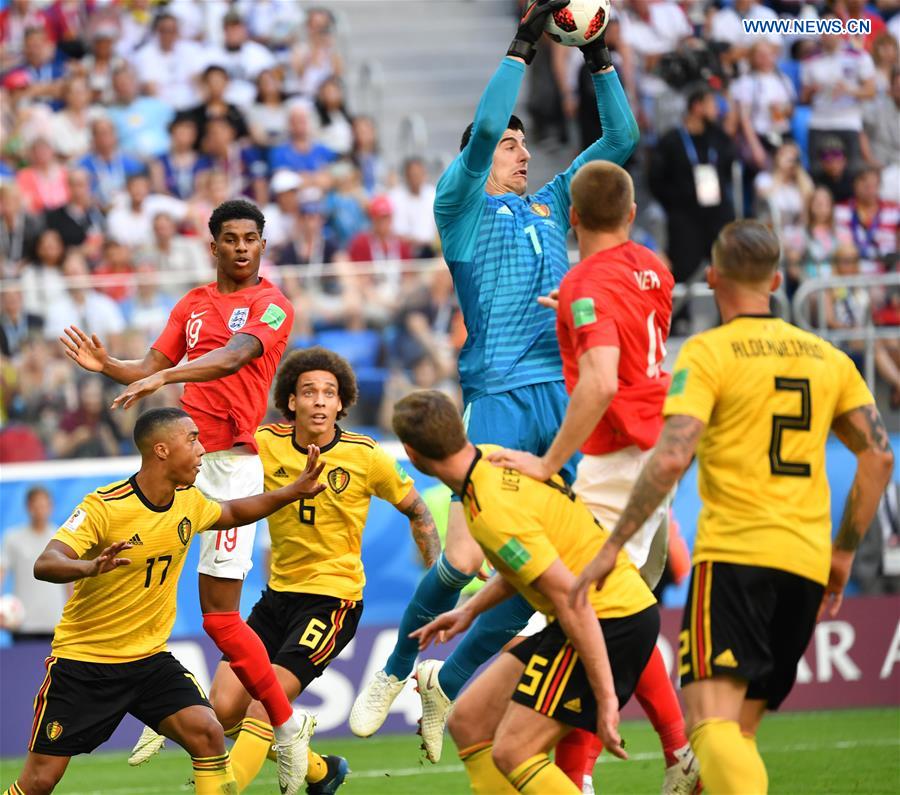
604 483
226 475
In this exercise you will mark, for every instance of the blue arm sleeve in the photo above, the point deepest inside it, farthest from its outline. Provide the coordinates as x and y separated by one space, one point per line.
465 177
619 139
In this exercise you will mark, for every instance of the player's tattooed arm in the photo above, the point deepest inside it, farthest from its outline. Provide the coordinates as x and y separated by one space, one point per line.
421 523
670 459
862 431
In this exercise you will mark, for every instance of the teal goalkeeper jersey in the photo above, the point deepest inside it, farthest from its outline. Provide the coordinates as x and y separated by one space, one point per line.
504 251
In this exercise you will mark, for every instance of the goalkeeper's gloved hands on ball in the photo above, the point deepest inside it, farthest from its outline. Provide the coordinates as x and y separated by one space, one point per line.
531 27
596 54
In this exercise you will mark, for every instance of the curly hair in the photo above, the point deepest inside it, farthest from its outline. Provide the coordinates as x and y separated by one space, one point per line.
234 210
316 358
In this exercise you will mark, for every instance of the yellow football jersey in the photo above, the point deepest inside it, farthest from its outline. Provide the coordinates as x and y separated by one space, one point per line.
128 613
316 543
768 392
523 525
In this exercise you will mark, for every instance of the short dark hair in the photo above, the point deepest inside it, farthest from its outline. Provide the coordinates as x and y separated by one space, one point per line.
430 424
34 491
306 360
151 422
697 93
213 67
515 123
746 251
602 196
235 210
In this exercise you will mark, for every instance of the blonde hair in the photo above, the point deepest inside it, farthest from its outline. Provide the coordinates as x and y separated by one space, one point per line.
746 251
602 196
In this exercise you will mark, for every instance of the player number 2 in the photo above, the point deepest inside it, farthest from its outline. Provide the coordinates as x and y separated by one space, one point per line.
150 562
790 422
531 231
656 349
227 539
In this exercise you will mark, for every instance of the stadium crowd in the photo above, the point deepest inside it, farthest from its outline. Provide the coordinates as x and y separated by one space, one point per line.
124 123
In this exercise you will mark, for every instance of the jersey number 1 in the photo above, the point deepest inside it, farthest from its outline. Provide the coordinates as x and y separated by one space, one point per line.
790 422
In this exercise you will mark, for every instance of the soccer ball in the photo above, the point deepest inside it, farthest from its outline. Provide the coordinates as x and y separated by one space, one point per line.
579 23
12 612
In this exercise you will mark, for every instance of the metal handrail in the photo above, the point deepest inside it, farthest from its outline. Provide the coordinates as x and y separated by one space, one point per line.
369 95
869 332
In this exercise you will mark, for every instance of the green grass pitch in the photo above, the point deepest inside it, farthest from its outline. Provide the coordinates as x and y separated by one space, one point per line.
839 752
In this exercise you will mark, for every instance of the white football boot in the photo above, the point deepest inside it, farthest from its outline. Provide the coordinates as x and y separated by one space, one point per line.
435 708
370 710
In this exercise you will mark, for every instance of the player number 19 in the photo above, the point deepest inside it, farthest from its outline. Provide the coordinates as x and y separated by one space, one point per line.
656 349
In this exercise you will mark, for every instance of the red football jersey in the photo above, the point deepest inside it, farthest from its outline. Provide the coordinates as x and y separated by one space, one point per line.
620 297
228 410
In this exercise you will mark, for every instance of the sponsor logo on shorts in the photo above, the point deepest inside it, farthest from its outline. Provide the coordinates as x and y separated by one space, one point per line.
219 561
679 379
573 705
583 312
238 318
513 554
338 479
726 659
274 316
54 731
184 531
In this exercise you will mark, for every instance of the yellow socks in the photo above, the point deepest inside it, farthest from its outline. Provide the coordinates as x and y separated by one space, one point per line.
249 752
729 762
318 767
213 776
539 776
484 777
15 789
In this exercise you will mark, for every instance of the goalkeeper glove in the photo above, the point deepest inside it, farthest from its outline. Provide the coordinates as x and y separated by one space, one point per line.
531 27
596 54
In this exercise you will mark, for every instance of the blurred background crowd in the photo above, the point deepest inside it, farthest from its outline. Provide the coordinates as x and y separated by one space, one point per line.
124 122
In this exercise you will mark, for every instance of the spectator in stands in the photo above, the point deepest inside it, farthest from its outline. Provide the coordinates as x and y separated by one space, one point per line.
822 235
212 189
89 430
268 115
41 279
413 203
690 174
43 601
79 221
857 9
15 20
833 171
783 194
335 129
70 127
108 166
240 165
317 58
242 58
847 307
837 82
176 255
282 213
117 271
83 306
881 138
726 27
306 243
885 58
273 23
366 154
345 205
764 101
19 229
16 324
148 310
380 284
43 181
175 172
141 122
43 66
301 153
167 65
215 105
131 219
98 66
871 222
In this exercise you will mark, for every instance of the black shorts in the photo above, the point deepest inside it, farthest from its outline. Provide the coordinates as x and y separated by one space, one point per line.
304 632
554 681
749 622
80 704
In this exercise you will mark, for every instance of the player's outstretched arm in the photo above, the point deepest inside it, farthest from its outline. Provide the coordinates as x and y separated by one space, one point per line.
89 353
247 510
421 525
240 350
862 432
452 623
671 457
598 382
60 563
579 622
